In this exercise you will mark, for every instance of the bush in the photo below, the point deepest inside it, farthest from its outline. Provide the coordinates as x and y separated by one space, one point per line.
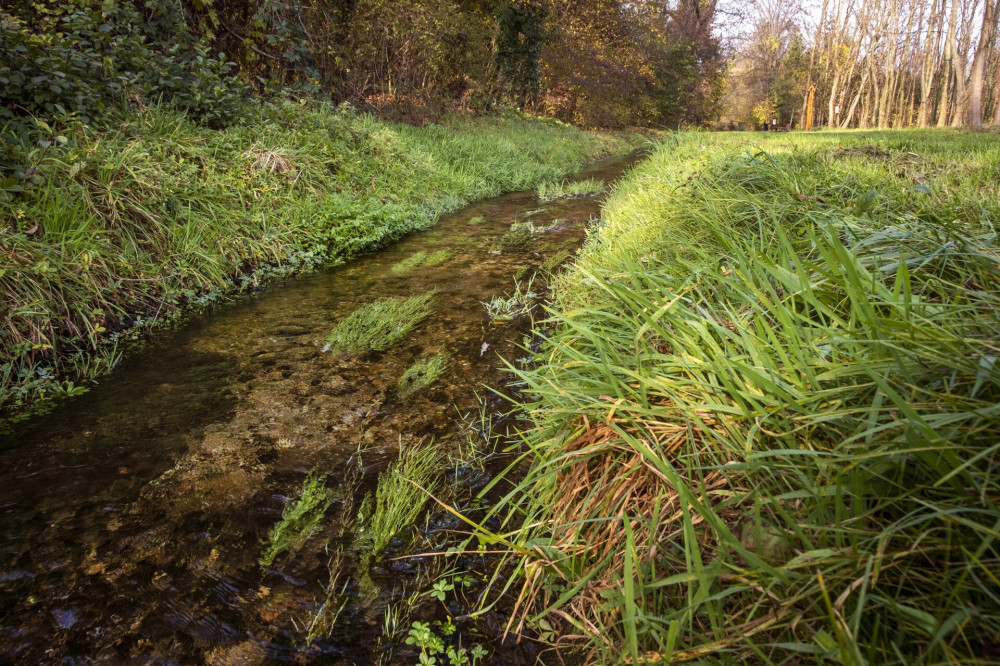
87 59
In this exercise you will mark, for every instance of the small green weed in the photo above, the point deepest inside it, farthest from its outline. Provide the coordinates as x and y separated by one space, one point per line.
519 235
422 374
555 261
512 306
379 325
300 519
568 190
324 619
398 501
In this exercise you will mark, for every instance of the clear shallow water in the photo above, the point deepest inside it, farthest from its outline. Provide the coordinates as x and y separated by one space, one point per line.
132 518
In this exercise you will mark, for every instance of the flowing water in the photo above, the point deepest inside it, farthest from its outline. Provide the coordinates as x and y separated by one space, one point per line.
134 517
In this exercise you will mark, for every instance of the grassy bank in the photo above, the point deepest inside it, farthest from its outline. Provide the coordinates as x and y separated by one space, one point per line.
765 419
109 230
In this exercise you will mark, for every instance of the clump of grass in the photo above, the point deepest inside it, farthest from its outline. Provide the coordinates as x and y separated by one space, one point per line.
408 264
555 261
774 392
380 324
399 498
299 520
520 234
437 258
517 236
422 374
568 190
511 306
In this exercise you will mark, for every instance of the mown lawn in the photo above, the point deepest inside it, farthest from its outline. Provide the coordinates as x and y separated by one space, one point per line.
765 422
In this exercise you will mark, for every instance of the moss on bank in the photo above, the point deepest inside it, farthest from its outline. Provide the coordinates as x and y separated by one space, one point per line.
116 228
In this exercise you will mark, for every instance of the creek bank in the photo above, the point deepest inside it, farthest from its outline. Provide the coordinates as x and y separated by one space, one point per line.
123 227
768 392
171 512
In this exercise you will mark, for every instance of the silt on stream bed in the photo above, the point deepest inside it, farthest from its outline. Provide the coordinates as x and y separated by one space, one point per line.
135 517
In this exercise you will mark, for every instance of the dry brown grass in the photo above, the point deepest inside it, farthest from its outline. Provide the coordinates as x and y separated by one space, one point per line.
602 474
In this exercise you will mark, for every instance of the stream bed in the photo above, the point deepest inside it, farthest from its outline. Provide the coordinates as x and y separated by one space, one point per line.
133 518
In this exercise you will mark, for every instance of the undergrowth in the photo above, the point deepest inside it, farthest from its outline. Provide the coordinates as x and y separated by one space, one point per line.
765 426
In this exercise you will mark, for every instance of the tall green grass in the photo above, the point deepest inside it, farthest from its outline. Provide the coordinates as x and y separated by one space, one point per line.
118 226
765 429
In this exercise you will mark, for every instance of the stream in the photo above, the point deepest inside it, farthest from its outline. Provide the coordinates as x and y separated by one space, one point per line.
134 516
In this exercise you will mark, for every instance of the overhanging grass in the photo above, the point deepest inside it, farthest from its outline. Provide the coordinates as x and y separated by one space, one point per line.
766 427
379 325
129 223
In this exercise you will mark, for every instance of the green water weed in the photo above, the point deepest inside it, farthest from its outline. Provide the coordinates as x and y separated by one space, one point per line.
300 518
510 306
422 374
379 325
408 264
437 258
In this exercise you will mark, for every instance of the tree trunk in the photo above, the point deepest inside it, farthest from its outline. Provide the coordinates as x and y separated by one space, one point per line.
927 67
948 67
986 36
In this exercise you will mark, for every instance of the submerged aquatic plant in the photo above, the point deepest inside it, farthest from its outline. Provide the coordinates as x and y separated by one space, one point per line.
420 260
379 325
520 234
567 190
408 264
400 496
422 374
300 519
323 620
436 258
512 306
555 261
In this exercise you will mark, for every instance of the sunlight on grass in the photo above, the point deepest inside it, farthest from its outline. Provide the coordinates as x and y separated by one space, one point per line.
772 386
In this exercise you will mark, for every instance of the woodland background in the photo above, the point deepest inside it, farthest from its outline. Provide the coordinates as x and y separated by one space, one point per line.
595 63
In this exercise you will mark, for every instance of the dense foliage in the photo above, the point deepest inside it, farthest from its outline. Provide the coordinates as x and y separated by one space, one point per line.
597 63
